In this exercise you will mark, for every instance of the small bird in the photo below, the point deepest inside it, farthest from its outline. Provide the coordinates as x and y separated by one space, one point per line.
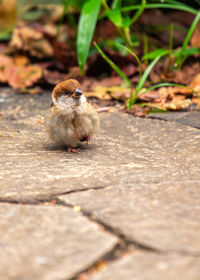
72 118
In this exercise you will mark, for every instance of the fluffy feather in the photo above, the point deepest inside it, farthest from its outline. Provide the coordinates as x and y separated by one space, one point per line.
72 119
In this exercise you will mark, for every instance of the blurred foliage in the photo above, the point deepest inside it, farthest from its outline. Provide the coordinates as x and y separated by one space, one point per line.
84 15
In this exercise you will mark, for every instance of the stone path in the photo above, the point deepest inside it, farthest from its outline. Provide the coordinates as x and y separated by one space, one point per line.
127 207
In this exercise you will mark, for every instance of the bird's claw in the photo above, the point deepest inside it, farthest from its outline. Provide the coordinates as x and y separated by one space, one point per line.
70 149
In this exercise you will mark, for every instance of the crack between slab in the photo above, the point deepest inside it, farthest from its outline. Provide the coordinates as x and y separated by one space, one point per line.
109 229
124 246
45 198
162 119
81 190
125 242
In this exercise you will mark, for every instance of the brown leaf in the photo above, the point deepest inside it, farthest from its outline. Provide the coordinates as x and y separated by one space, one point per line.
53 77
27 39
178 103
99 94
5 63
195 40
21 60
64 54
151 96
34 90
108 93
193 86
18 76
163 94
25 76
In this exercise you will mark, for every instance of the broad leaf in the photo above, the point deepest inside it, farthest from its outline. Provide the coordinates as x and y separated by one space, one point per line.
86 26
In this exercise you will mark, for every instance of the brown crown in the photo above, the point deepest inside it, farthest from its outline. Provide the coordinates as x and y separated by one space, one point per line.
68 85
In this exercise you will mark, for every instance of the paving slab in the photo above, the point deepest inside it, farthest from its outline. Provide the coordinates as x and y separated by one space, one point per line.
125 150
164 216
186 118
48 242
143 266
140 177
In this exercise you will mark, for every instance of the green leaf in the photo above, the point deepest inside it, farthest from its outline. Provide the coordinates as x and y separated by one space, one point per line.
126 21
187 52
154 54
5 35
116 5
86 27
116 17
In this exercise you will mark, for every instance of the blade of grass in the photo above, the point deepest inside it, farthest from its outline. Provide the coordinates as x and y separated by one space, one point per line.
134 55
161 5
187 52
148 70
115 67
191 30
145 40
181 57
139 87
139 12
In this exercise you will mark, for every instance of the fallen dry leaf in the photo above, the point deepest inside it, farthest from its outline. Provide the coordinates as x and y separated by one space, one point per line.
64 54
21 60
53 77
25 76
33 90
108 93
196 100
5 63
19 77
193 86
102 95
195 40
27 39
174 105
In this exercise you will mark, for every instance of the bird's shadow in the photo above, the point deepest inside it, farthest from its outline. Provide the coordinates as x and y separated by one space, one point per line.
82 147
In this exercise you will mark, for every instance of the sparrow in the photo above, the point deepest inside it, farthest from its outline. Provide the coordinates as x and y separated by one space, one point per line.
72 118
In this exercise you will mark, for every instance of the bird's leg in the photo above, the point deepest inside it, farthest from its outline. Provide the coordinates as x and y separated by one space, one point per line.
70 149
88 139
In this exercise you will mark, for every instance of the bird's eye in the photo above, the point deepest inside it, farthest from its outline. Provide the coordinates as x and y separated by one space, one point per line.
66 92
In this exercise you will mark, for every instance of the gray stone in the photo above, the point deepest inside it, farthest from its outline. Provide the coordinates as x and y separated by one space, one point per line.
48 242
186 118
144 266
164 216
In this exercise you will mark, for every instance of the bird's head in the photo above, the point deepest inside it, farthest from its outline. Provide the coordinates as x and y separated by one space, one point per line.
68 92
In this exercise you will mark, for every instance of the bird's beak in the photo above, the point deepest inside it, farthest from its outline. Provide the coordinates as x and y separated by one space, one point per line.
77 93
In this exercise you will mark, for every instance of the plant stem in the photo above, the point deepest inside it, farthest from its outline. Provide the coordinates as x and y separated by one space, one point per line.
139 12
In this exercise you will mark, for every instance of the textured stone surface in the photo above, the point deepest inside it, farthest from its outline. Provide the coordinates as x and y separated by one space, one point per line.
125 150
142 266
164 216
186 118
148 174
47 242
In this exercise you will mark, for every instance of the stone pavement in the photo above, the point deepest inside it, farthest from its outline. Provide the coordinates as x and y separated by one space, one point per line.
126 207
